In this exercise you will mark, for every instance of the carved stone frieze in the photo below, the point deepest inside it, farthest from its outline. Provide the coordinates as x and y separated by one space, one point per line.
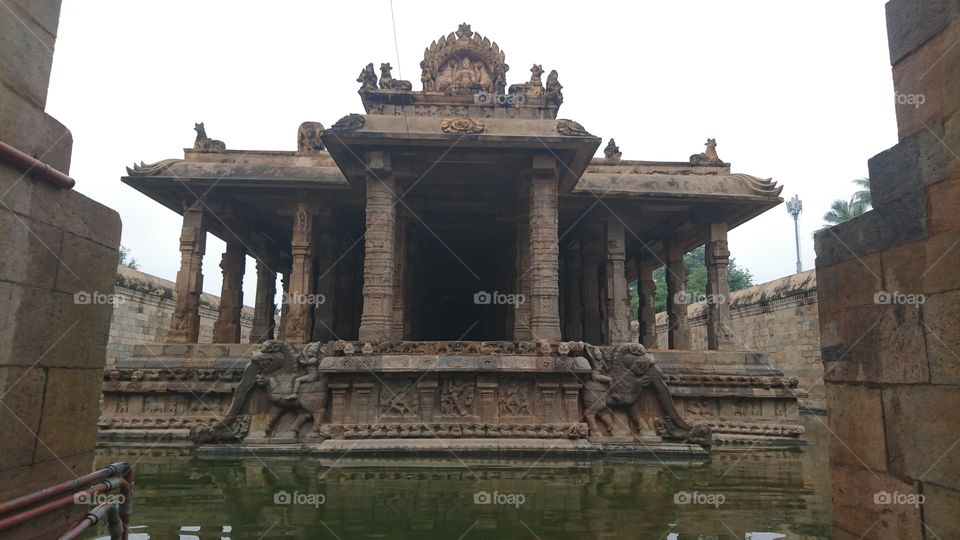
570 128
462 124
463 62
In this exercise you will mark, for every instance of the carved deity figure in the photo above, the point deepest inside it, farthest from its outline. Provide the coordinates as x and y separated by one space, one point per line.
204 143
553 90
308 138
708 157
368 79
612 151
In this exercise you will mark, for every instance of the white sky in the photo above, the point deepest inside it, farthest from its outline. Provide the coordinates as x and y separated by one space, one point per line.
797 91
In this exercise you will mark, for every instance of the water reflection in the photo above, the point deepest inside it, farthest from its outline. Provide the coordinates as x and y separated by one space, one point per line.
780 493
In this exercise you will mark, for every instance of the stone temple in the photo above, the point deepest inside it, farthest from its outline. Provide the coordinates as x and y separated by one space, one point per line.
455 266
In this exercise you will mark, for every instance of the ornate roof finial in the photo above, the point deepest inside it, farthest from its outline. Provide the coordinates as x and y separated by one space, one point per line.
709 157
464 31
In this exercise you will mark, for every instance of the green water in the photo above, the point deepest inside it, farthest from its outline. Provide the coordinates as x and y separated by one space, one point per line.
757 494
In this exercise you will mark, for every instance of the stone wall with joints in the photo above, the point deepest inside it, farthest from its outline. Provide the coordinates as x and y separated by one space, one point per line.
60 253
889 295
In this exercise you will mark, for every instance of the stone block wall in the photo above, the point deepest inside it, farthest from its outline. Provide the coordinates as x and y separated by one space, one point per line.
143 305
56 244
889 294
779 319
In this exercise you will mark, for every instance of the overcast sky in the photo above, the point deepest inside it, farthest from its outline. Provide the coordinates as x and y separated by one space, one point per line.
799 91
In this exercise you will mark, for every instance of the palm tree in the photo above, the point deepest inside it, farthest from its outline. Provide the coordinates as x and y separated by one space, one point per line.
841 210
863 194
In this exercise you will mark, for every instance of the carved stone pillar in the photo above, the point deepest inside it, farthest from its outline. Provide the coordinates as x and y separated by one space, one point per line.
378 263
521 312
592 258
324 284
185 321
264 305
284 304
399 258
226 329
647 310
573 306
544 252
719 335
617 295
676 273
300 300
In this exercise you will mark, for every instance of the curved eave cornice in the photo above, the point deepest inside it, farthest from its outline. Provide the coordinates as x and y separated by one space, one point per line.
742 187
186 171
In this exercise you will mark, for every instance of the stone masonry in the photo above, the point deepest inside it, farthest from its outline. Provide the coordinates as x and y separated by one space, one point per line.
889 296
778 318
60 251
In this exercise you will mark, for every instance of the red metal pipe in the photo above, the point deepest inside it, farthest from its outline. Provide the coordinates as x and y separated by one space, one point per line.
114 525
35 167
112 484
114 469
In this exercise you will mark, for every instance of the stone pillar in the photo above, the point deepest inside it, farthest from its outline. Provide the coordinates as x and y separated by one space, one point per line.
378 262
264 306
325 282
592 258
521 312
281 332
647 311
300 300
185 321
676 273
717 257
544 252
573 306
617 294
399 257
226 329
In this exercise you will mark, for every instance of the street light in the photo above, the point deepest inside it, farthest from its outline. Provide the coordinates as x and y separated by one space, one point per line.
794 207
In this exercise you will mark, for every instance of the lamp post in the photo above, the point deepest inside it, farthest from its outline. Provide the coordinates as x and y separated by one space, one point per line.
794 207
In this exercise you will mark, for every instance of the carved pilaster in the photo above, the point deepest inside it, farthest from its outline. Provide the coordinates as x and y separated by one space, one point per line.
592 258
264 307
676 273
299 299
521 312
550 396
489 413
185 321
544 253
226 329
717 256
428 393
647 310
573 306
378 263
617 295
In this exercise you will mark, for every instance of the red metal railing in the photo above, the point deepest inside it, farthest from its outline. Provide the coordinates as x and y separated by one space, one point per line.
116 477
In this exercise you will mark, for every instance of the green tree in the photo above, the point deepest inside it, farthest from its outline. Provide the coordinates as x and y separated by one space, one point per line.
126 259
739 278
842 211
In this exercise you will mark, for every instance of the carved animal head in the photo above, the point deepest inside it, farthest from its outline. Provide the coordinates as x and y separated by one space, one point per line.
273 356
385 70
635 358
700 434
711 143
201 132
367 74
537 71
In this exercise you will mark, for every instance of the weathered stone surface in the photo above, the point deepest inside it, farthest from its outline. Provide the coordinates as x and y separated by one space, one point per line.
85 267
853 282
914 163
941 262
877 343
856 426
943 336
36 262
921 431
910 24
21 37
855 509
944 198
66 426
22 403
900 221
941 518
